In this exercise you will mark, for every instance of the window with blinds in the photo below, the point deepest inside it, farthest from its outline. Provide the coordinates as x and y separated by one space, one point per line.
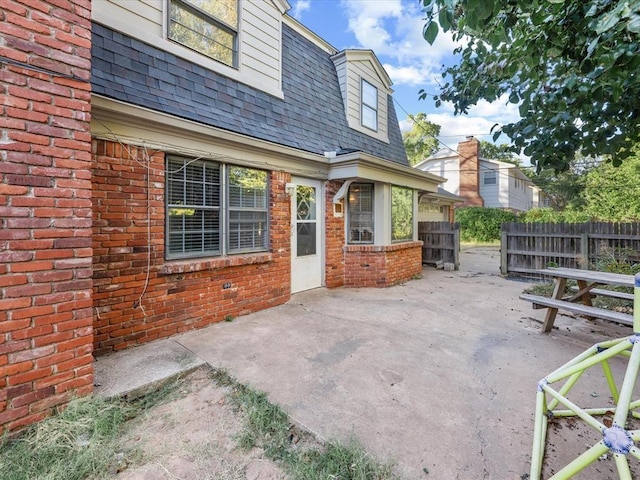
214 209
247 209
360 213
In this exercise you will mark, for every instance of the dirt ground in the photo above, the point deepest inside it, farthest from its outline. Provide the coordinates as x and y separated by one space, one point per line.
193 438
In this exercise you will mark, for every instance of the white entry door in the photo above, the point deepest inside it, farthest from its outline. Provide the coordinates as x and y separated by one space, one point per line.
306 235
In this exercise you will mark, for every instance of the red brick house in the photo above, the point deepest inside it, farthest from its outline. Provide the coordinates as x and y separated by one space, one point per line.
169 164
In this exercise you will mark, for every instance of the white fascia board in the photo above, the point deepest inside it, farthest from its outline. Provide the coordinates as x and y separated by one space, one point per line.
118 121
281 5
367 167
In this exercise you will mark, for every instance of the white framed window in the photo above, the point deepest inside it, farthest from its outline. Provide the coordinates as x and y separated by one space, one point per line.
401 214
209 27
369 105
214 209
490 177
360 213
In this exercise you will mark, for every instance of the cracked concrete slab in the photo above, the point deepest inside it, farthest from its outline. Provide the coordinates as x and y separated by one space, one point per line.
438 375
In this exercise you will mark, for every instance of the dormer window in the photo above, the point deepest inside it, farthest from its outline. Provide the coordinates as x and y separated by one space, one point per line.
208 27
369 97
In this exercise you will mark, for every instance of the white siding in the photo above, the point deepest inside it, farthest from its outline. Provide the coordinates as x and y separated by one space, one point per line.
260 49
447 168
260 26
356 71
494 195
511 190
127 16
520 198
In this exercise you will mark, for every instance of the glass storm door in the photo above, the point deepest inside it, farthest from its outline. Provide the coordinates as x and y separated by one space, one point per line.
306 235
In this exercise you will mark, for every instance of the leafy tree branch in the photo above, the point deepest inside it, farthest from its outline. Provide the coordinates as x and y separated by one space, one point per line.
571 66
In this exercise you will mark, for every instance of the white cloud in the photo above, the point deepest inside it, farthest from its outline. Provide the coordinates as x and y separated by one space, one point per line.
393 29
406 125
502 111
410 75
455 129
299 8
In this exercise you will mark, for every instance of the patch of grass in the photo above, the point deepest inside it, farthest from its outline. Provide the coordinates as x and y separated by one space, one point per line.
268 427
542 289
78 443
339 461
83 441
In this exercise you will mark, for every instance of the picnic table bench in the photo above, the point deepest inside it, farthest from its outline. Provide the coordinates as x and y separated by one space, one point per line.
580 302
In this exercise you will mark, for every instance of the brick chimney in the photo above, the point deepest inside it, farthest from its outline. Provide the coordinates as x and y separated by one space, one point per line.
469 153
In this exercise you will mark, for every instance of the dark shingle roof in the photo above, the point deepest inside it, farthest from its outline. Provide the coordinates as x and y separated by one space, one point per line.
311 116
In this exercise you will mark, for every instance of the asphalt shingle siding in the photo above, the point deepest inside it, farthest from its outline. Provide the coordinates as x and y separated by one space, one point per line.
311 117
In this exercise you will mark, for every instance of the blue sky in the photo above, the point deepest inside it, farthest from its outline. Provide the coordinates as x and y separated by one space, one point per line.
393 30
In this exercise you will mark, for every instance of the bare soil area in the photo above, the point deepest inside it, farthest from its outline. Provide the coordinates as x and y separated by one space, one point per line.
194 437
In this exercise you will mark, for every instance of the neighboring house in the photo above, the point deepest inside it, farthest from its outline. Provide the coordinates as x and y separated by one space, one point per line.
438 206
484 182
168 164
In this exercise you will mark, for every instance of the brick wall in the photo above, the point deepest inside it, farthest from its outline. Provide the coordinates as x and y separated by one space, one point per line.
45 208
180 295
334 240
469 153
382 266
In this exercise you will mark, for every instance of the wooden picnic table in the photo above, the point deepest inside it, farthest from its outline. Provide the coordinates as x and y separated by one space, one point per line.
580 302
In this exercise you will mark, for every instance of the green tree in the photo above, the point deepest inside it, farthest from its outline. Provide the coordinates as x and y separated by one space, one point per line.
564 189
613 193
501 152
420 141
481 224
571 65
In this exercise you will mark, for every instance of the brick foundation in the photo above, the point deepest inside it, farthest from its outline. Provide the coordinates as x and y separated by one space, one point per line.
45 208
382 266
334 240
180 295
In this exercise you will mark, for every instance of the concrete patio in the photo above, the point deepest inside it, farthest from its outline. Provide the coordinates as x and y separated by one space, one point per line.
438 375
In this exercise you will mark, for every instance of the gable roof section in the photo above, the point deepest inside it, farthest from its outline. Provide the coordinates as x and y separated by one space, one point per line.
311 116
358 55
442 154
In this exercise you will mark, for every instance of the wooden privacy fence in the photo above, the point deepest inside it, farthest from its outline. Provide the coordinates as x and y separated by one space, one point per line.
441 243
527 247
